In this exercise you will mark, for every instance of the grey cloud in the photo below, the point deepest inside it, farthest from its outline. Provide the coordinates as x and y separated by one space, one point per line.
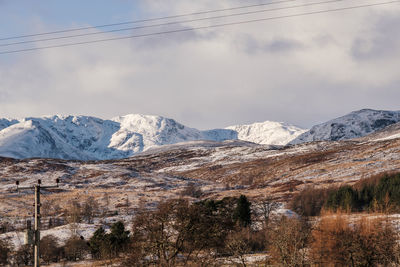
207 79
383 43
282 45
277 45
168 40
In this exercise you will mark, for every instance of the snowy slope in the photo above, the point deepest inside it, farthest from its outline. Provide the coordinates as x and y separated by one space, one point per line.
4 123
57 137
389 133
90 138
141 132
356 124
268 132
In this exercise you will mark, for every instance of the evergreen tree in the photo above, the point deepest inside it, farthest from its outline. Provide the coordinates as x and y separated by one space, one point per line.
97 242
118 238
242 213
344 198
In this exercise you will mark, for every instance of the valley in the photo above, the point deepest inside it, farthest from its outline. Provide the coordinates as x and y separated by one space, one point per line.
196 171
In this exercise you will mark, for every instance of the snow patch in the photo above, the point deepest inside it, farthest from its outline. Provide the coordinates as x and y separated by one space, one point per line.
268 132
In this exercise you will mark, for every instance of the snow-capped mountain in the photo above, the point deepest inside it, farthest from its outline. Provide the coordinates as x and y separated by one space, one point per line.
141 132
353 125
268 132
90 138
57 137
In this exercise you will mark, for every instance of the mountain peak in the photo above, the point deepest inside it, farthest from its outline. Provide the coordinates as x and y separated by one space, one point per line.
267 132
353 125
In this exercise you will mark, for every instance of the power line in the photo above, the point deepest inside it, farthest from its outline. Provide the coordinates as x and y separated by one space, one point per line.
146 20
199 28
171 23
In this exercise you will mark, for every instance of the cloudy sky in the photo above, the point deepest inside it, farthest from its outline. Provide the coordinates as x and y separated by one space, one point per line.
302 70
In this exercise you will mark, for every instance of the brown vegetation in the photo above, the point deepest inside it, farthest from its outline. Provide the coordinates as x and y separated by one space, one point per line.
310 200
365 242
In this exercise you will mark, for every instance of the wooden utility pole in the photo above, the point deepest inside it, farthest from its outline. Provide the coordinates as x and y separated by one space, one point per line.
36 241
37 226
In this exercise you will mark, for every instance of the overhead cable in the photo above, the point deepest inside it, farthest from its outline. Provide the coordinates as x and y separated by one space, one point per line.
145 20
200 28
170 23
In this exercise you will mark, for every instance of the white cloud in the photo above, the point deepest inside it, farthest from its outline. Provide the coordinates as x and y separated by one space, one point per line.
301 70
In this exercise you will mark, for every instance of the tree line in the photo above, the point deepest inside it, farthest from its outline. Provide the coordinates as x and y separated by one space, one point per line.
375 194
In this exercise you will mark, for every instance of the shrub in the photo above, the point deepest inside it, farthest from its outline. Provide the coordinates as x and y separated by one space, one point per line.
49 249
75 248
24 256
192 190
5 251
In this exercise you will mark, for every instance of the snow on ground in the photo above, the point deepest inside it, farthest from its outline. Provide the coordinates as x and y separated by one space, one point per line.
394 136
231 155
62 233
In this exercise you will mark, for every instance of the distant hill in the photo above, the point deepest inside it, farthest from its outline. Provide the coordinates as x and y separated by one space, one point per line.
353 125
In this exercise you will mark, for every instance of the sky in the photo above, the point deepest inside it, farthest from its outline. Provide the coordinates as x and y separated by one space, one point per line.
302 70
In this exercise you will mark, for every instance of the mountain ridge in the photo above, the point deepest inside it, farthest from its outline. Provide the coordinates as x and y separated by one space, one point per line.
353 125
91 138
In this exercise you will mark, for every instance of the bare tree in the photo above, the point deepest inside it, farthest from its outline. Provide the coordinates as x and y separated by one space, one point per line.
73 212
267 207
89 209
106 201
238 244
289 239
156 236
